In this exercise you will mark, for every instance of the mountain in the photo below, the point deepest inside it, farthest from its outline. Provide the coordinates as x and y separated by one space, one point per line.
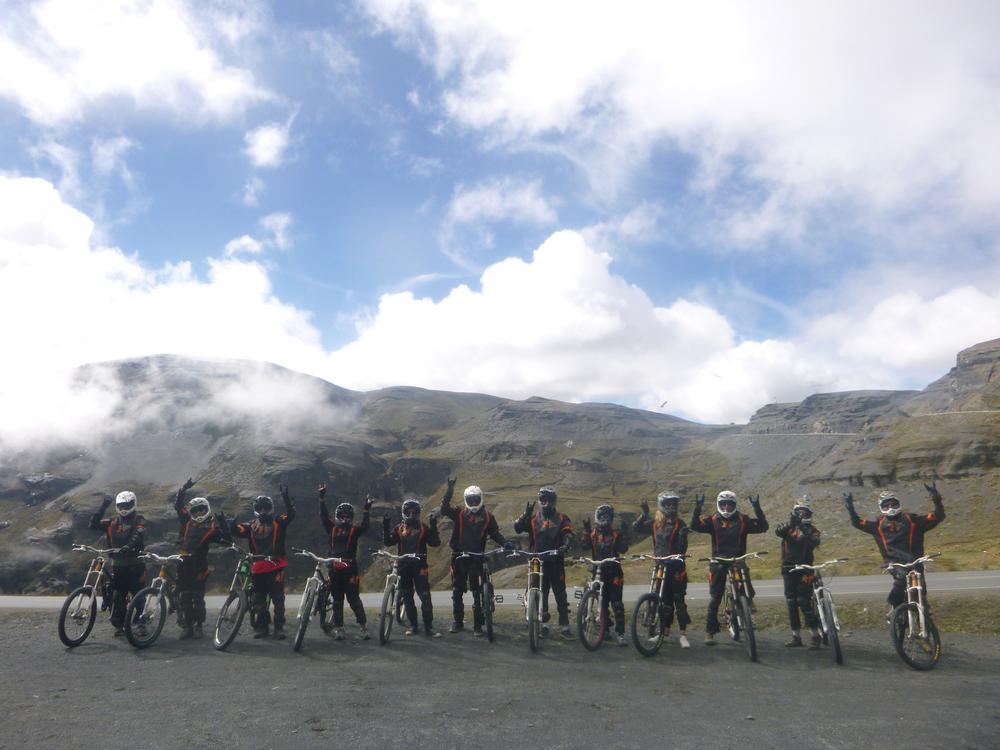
241 428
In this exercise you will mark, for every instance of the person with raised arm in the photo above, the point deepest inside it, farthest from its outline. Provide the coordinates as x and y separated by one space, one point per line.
729 529
343 543
604 543
412 537
799 537
126 533
670 537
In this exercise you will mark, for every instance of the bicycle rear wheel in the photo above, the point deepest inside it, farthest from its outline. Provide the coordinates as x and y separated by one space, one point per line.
647 628
919 650
387 613
590 621
305 612
745 617
76 618
534 619
489 604
830 632
729 606
144 617
229 621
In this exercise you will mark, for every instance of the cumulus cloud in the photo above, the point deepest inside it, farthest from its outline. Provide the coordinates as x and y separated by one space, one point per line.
60 58
107 155
252 190
266 145
784 110
275 226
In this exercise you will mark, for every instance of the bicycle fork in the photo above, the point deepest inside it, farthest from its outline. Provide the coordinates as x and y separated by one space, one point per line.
915 593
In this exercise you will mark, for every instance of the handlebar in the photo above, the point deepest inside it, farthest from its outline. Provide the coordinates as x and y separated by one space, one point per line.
525 553
667 558
94 550
803 566
918 561
481 554
589 561
243 553
732 559
157 558
408 555
320 560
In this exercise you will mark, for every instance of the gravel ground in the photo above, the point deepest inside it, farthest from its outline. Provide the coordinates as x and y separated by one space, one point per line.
462 692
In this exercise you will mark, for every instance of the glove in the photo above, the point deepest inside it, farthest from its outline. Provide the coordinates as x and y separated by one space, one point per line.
322 492
565 547
509 546
754 500
188 484
793 521
644 506
386 522
933 490
451 482
105 502
586 525
432 520
283 489
849 501
699 500
529 509
369 502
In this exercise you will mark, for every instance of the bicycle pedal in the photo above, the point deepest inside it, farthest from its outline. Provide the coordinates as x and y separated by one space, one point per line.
578 593
498 598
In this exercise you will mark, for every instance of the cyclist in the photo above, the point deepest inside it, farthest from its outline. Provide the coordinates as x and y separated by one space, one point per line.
126 533
670 537
412 536
549 530
798 540
898 534
343 543
604 542
265 535
471 526
729 529
198 530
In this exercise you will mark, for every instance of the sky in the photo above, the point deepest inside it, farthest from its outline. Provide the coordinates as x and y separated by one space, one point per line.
697 209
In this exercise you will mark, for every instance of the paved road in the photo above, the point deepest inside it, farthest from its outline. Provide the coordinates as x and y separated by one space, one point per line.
461 692
766 589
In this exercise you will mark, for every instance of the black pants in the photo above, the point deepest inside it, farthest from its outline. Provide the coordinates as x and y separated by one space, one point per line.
717 573
798 595
268 584
467 574
675 584
415 576
613 581
554 579
191 593
125 580
346 582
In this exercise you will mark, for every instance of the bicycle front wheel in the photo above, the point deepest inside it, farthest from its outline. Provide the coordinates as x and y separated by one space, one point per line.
919 650
731 616
830 633
387 613
745 618
534 619
76 618
647 628
305 612
590 621
144 617
230 618
489 604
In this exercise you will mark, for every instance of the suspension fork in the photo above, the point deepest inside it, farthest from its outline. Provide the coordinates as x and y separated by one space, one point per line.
915 593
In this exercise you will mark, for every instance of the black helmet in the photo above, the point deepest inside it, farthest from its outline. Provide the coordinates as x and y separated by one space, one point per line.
263 506
604 515
667 502
547 495
344 512
409 506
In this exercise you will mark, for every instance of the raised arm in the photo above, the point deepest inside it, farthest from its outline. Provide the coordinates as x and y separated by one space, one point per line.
643 524
758 524
930 520
433 536
366 516
856 521
446 509
324 513
523 523
697 523
95 520
182 514
289 504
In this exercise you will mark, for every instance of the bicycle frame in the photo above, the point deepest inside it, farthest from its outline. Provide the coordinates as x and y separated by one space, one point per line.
96 573
820 592
917 623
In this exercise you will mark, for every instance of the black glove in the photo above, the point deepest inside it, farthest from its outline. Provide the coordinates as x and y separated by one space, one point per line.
644 506
849 501
188 484
386 522
105 502
529 509
793 521
933 490
586 525
451 483
432 520
283 489
699 501
754 500
322 491
369 502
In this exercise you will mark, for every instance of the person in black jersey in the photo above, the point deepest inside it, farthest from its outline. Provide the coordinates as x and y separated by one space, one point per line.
343 543
412 536
799 537
670 537
603 542
126 532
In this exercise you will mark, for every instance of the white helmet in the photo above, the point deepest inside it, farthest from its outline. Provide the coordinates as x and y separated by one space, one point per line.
804 511
199 509
888 503
125 503
473 497
728 498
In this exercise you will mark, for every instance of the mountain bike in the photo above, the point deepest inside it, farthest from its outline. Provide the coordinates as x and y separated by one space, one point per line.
913 632
79 610
531 599
647 627
315 595
591 619
826 610
736 610
392 601
490 598
147 612
238 602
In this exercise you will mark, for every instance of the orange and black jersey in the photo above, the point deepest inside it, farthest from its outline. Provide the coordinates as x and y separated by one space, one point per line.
343 539
797 544
546 532
900 538
669 537
267 537
412 540
470 529
604 542
195 537
128 535
729 535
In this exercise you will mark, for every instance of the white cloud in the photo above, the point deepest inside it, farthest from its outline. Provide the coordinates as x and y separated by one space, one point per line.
266 145
883 107
61 58
337 56
107 155
243 244
66 161
639 225
277 224
252 191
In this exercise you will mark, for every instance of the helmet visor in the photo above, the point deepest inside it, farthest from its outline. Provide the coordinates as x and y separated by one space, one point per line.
804 514
125 505
887 503
411 513
473 501
727 505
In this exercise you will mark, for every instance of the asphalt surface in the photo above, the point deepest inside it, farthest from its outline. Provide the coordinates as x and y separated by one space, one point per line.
463 692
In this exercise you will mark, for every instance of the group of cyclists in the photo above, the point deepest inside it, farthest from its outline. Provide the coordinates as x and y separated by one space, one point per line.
899 536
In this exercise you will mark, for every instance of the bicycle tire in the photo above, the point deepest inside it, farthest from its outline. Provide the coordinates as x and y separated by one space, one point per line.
534 620
324 606
227 625
489 605
305 612
730 607
745 615
82 614
647 629
590 621
830 631
926 650
387 614
144 620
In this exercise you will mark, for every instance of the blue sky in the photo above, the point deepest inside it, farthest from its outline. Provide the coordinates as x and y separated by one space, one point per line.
717 207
